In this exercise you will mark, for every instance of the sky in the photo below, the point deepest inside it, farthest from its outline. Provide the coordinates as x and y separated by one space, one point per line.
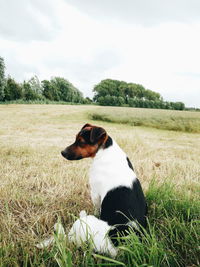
155 43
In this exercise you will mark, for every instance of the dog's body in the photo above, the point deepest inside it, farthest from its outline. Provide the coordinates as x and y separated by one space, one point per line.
115 190
109 170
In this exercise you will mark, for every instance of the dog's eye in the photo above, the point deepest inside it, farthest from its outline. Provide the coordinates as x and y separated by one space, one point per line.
81 142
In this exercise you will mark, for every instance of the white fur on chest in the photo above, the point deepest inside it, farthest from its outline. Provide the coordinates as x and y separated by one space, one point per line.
109 170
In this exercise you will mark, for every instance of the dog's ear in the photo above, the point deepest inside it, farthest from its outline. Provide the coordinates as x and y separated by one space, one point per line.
97 133
86 125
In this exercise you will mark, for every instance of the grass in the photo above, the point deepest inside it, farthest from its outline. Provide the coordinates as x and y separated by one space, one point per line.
184 121
171 239
38 187
38 101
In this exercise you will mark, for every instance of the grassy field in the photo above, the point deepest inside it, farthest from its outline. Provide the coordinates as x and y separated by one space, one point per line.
184 121
38 186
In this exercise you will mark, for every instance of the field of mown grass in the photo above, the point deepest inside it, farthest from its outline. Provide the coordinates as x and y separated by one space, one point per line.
39 187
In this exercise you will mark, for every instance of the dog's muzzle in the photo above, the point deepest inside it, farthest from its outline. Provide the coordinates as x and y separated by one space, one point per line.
64 154
70 156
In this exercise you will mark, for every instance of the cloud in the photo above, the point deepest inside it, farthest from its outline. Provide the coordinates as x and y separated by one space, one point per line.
84 74
143 12
86 47
189 74
28 20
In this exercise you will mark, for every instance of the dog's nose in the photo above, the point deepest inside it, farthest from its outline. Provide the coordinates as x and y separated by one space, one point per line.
63 153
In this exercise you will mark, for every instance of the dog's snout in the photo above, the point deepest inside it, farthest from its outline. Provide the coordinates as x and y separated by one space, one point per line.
69 154
63 153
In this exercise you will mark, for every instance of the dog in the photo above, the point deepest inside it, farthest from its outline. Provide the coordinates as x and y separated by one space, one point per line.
115 190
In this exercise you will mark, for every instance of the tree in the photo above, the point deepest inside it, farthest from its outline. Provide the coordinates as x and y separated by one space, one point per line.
2 79
177 105
108 87
13 90
36 85
48 91
151 95
120 101
124 90
60 89
135 90
29 94
88 100
118 93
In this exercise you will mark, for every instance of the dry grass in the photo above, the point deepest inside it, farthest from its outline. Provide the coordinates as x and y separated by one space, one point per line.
37 185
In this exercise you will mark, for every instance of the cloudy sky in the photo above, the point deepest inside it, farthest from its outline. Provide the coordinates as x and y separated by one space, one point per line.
152 42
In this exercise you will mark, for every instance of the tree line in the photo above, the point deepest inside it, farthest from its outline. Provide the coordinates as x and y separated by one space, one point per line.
119 93
55 89
106 93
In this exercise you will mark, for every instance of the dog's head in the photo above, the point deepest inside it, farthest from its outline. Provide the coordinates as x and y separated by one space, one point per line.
87 143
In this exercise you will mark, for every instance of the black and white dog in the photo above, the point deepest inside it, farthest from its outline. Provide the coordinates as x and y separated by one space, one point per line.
115 190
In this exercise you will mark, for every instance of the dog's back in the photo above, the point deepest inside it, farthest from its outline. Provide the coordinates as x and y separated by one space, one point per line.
124 204
126 209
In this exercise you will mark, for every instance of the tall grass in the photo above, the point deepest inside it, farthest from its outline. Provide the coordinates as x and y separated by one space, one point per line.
184 121
171 239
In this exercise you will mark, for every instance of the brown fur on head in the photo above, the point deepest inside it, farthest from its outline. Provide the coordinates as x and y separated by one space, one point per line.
87 143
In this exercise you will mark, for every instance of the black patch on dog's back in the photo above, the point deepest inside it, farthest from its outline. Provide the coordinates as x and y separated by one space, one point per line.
129 163
124 204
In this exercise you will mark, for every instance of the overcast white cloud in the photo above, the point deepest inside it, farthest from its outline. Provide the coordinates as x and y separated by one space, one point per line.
155 43
143 12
